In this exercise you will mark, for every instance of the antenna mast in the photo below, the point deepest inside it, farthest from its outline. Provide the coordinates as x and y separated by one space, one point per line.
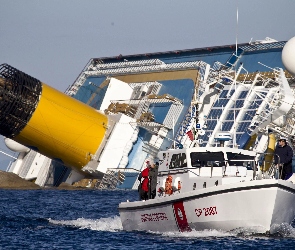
234 135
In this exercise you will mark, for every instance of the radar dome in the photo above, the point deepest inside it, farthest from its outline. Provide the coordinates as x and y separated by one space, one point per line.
288 56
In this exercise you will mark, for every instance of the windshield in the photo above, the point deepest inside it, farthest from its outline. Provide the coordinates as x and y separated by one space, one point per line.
235 159
207 159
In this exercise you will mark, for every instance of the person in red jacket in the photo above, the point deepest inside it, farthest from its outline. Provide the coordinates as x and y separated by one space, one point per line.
143 187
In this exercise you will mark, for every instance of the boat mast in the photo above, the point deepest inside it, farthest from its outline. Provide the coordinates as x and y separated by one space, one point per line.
235 83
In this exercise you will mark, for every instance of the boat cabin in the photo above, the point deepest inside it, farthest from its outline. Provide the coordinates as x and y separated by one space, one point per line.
184 170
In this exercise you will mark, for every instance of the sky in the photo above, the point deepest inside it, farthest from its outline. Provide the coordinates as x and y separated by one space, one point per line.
52 40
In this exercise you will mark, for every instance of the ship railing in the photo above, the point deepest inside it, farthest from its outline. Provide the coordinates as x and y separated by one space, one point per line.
177 171
125 170
142 107
143 69
274 169
148 101
148 84
128 64
116 176
73 89
129 67
262 46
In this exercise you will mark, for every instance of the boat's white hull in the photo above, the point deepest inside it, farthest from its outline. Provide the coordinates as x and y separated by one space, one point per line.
253 204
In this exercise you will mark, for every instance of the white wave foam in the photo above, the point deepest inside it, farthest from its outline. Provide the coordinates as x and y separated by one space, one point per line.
110 224
113 224
248 231
284 230
198 234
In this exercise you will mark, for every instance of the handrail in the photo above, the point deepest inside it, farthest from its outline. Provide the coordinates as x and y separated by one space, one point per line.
178 170
124 169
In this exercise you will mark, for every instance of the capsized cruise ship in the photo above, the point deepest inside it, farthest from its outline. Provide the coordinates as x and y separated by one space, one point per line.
136 105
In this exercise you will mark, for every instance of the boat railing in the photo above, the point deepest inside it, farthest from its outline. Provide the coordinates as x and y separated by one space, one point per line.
125 170
178 171
273 168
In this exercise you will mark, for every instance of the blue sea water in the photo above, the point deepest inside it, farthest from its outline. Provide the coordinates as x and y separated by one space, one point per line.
89 219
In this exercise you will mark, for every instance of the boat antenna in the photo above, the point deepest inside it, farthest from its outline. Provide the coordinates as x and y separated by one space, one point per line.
237 29
235 79
173 124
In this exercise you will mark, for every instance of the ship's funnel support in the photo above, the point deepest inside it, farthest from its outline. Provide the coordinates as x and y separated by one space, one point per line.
48 121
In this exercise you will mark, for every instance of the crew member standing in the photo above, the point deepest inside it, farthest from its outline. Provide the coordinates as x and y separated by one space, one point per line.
153 180
143 187
283 158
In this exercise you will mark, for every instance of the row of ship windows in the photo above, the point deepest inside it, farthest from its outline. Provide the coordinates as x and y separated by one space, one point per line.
216 113
243 94
226 126
238 103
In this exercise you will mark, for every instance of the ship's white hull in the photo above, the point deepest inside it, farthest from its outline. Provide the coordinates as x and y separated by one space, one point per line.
254 204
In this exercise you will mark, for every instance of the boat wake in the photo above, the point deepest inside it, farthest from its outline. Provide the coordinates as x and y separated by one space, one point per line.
282 230
277 231
111 224
198 234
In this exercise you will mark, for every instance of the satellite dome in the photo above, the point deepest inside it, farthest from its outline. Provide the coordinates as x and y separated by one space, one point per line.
288 56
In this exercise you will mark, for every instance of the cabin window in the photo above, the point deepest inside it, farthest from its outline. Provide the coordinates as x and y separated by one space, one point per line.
235 159
207 159
178 161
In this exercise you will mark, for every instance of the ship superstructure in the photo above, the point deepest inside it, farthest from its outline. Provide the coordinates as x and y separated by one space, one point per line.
174 99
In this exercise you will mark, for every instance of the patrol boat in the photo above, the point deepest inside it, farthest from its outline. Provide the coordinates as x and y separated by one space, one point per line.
212 188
